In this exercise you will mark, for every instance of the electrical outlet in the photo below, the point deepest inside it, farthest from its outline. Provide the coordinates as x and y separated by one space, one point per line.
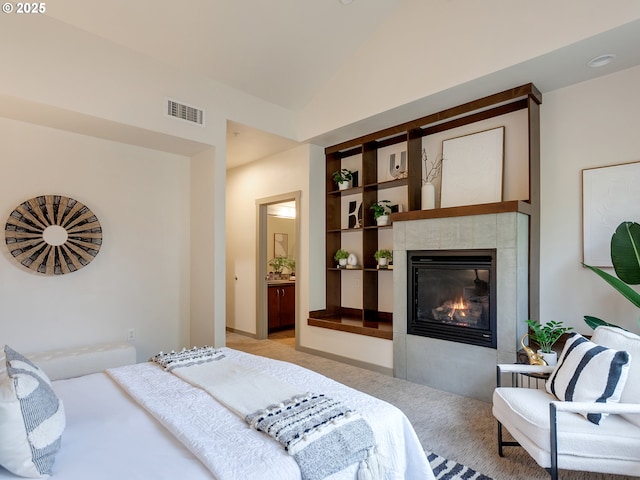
131 335
357 283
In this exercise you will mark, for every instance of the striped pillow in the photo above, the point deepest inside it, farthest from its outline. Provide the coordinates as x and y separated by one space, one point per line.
31 418
587 372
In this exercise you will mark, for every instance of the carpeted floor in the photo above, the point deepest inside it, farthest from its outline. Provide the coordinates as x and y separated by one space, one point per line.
457 428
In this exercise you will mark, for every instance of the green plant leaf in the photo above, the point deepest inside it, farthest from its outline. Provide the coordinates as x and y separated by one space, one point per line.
595 322
628 292
625 252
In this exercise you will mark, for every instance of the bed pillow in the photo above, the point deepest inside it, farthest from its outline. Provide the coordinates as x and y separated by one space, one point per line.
587 372
32 418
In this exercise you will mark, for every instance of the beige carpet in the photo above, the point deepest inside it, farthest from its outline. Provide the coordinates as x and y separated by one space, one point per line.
458 428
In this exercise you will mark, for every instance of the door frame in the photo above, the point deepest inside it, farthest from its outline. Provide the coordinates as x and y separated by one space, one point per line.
262 321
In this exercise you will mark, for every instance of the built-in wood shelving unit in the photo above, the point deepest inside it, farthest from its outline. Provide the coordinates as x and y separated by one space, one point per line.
369 320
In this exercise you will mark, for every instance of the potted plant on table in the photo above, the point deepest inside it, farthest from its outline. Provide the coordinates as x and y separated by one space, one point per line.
341 257
383 257
381 211
546 336
343 178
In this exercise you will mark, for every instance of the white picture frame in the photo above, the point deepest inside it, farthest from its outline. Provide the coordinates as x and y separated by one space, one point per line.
472 168
609 197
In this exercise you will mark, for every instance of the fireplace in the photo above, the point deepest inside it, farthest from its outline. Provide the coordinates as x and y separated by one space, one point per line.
452 295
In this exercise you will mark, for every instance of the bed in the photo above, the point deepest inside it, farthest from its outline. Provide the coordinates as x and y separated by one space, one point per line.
183 432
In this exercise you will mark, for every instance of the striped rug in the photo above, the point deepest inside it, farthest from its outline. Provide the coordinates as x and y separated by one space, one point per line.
444 469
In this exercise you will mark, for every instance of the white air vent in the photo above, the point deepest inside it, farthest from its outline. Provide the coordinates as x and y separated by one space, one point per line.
185 112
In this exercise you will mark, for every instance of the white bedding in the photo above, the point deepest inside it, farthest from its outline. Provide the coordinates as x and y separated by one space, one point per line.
109 436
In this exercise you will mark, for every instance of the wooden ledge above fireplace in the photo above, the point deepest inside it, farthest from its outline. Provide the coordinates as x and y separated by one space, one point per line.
519 206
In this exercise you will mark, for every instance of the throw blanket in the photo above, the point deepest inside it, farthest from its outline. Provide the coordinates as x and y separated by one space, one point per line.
323 435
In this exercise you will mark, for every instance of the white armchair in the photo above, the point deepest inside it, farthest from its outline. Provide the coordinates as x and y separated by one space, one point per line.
556 433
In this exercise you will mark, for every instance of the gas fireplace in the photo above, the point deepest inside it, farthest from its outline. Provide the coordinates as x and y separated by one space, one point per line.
452 295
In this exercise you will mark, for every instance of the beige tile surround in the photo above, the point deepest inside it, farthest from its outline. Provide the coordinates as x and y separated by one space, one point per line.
457 367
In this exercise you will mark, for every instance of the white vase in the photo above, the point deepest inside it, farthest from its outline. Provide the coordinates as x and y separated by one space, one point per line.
382 220
428 196
382 261
344 185
342 262
550 358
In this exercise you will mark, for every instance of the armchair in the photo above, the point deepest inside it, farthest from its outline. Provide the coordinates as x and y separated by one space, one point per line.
557 433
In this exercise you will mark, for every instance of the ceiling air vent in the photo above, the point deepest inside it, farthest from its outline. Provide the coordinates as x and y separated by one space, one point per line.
185 112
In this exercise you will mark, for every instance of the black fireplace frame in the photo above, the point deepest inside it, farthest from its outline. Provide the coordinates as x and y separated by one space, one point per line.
464 258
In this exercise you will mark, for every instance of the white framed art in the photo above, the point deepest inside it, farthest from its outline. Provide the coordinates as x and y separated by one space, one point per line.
472 167
609 197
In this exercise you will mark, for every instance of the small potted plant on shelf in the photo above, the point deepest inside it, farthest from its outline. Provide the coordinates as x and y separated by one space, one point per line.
381 210
341 257
383 257
343 178
546 336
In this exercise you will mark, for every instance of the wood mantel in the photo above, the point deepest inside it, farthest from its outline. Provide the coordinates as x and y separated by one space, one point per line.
518 206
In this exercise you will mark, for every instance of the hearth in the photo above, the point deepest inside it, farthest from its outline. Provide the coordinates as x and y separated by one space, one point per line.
452 295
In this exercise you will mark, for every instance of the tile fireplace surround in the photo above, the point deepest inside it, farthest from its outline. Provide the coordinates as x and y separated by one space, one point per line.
458 367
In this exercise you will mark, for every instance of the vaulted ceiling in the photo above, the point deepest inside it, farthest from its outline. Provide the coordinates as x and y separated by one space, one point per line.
285 51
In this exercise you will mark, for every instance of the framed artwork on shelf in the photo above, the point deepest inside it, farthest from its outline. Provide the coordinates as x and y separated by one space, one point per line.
609 197
472 168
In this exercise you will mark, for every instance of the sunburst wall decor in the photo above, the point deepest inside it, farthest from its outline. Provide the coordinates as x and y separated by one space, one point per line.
53 235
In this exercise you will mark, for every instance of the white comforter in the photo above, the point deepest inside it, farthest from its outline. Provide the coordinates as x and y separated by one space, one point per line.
232 450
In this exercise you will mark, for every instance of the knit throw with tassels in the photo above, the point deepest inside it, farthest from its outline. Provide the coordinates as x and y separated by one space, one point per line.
323 435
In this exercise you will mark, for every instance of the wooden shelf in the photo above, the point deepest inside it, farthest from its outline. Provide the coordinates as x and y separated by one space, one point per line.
519 206
352 324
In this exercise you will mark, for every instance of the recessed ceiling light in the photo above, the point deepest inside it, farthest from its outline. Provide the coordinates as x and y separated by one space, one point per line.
601 60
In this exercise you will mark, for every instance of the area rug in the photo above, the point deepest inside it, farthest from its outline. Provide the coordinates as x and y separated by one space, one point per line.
444 469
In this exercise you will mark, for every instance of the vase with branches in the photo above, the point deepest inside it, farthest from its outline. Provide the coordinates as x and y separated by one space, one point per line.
430 171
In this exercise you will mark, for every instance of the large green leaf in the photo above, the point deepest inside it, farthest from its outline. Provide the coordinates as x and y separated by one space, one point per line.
595 322
625 252
628 292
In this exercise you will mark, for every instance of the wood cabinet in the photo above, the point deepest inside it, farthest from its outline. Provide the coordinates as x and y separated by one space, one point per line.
368 155
282 306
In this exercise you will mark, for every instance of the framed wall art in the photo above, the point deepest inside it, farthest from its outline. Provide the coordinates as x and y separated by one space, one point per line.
472 167
609 197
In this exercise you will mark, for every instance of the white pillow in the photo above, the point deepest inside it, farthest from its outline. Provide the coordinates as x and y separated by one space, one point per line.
619 339
587 372
32 418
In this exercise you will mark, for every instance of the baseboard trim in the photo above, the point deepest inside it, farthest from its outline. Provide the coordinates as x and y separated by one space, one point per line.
243 333
349 361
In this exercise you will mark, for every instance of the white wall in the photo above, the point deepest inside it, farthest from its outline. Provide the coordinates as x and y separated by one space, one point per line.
587 125
139 279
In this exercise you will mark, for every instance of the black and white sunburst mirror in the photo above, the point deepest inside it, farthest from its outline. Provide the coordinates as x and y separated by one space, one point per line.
53 235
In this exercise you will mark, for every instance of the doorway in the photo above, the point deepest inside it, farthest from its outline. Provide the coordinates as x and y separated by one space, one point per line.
277 292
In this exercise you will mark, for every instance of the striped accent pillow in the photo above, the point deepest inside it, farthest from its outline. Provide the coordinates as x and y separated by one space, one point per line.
587 372
32 418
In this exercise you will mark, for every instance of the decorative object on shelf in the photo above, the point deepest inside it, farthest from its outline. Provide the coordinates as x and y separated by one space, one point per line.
352 260
626 263
278 264
472 168
53 235
383 257
609 197
398 169
341 257
343 178
355 214
430 171
546 336
381 210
